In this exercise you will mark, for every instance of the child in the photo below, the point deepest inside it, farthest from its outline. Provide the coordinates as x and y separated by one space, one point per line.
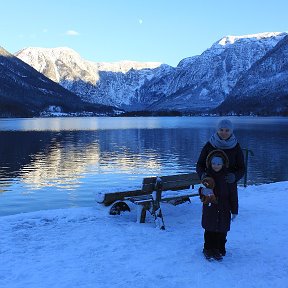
217 206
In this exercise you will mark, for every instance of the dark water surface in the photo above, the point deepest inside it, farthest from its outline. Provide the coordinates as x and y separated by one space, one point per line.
49 163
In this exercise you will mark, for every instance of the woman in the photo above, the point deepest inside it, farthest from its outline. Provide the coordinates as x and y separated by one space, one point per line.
225 140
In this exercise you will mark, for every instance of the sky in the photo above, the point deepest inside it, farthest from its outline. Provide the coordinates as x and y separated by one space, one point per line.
165 31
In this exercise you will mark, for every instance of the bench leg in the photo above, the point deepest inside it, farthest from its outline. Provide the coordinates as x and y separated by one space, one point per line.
141 213
158 216
159 220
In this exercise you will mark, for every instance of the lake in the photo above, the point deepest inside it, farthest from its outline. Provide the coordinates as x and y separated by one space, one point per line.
49 163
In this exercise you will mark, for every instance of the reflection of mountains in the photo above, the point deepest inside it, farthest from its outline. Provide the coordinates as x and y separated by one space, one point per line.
43 159
62 159
59 167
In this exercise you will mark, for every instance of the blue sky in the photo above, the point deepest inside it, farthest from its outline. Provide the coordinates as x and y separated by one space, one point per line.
140 30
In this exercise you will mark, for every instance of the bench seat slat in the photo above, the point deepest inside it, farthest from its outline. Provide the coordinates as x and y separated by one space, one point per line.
166 199
139 198
109 198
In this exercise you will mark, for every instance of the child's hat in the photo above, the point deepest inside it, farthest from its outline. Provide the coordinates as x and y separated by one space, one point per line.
217 153
217 160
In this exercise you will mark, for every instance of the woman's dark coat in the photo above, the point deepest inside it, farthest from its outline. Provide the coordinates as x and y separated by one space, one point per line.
217 217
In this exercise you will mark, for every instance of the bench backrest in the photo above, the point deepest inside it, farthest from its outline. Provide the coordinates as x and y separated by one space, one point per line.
172 182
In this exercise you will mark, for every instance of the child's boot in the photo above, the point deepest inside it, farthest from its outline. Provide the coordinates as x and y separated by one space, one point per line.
216 255
208 253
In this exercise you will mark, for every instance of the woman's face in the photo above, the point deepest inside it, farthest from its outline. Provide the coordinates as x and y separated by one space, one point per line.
224 133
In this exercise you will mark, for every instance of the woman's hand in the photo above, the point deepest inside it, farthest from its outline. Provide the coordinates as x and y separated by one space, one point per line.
230 178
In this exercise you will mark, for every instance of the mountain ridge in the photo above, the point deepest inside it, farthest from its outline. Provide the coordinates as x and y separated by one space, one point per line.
272 91
198 84
24 92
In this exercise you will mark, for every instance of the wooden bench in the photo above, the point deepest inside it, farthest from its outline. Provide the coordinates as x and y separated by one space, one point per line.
154 190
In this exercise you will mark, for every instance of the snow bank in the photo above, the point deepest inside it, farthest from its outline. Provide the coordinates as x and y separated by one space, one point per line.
86 247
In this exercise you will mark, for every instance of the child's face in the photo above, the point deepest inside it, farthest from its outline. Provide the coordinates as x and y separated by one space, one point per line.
216 167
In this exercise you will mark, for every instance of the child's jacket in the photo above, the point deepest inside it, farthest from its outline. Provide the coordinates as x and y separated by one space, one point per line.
216 217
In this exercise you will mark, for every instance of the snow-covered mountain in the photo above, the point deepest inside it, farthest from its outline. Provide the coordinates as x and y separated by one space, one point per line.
106 83
198 83
203 82
264 85
24 92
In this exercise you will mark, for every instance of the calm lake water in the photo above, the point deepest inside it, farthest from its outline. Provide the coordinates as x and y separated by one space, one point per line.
48 163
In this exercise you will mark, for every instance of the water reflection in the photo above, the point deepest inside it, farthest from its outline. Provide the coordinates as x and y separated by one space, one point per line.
51 168
44 159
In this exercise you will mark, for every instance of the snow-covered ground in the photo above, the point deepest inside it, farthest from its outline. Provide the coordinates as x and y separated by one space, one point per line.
86 247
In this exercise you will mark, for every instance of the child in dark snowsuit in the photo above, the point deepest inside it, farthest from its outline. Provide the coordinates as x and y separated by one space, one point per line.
218 206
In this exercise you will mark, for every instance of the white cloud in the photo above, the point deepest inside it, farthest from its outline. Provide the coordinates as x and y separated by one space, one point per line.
72 33
140 21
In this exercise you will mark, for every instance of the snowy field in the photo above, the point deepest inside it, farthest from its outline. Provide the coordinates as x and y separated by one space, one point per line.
86 247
